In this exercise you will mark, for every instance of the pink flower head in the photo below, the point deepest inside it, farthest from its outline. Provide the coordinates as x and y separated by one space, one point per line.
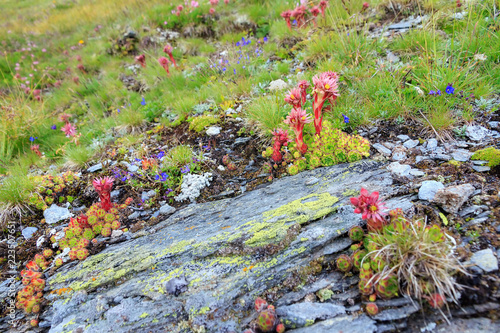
226 2
322 6
286 15
299 14
214 2
294 98
168 50
35 149
69 130
180 8
370 208
141 59
64 117
36 92
78 58
325 87
303 85
365 5
280 139
194 4
81 68
297 119
314 11
76 80
212 11
164 63
103 187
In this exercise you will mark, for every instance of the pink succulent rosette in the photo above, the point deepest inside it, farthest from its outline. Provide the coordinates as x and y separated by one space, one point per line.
164 63
297 119
103 187
370 208
294 98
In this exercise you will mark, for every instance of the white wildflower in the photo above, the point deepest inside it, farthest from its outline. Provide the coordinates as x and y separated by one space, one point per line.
277 85
480 57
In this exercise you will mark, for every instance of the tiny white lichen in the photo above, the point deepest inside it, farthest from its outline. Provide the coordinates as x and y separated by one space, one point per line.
192 185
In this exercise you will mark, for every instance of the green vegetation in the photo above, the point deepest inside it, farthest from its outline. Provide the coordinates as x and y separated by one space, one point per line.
492 155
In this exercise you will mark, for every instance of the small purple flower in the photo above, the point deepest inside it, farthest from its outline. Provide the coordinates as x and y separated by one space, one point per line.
234 71
266 39
186 168
238 44
33 138
54 127
161 154
346 118
449 89
432 92
206 148
143 102
118 110
224 69
438 92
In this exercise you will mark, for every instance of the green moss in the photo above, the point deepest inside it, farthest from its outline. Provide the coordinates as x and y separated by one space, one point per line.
350 193
490 154
144 315
198 124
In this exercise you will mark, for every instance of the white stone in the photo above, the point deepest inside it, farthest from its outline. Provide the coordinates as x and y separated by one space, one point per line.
213 130
401 170
55 214
221 168
116 233
485 259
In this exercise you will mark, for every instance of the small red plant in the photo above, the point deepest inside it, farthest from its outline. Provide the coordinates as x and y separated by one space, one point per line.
164 63
280 139
303 86
372 309
322 6
370 208
436 300
103 188
36 150
168 50
325 88
141 60
287 14
315 12
297 119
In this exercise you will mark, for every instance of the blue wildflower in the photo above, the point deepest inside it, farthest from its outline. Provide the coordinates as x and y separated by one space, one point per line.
234 71
224 69
54 127
432 92
238 44
143 102
118 110
206 148
164 177
124 178
161 154
449 89
33 138
186 168
438 92
294 22
346 118
266 39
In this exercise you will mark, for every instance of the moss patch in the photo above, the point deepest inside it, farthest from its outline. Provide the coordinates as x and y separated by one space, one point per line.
492 155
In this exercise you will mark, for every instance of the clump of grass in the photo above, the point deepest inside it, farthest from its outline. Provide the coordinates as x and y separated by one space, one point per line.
179 156
420 255
198 124
267 112
15 191
77 156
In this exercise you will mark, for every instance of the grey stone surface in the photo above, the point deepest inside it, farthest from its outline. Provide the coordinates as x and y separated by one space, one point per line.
134 215
441 157
28 232
95 167
351 324
484 259
399 153
417 173
403 137
476 132
302 314
147 195
381 149
115 194
473 325
461 155
452 198
432 144
55 214
480 168
401 170
428 189
397 313
167 209
299 222
176 286
411 144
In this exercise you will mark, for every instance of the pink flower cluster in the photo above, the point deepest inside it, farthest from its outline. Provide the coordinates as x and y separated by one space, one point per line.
370 208
325 89
103 187
300 12
280 139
